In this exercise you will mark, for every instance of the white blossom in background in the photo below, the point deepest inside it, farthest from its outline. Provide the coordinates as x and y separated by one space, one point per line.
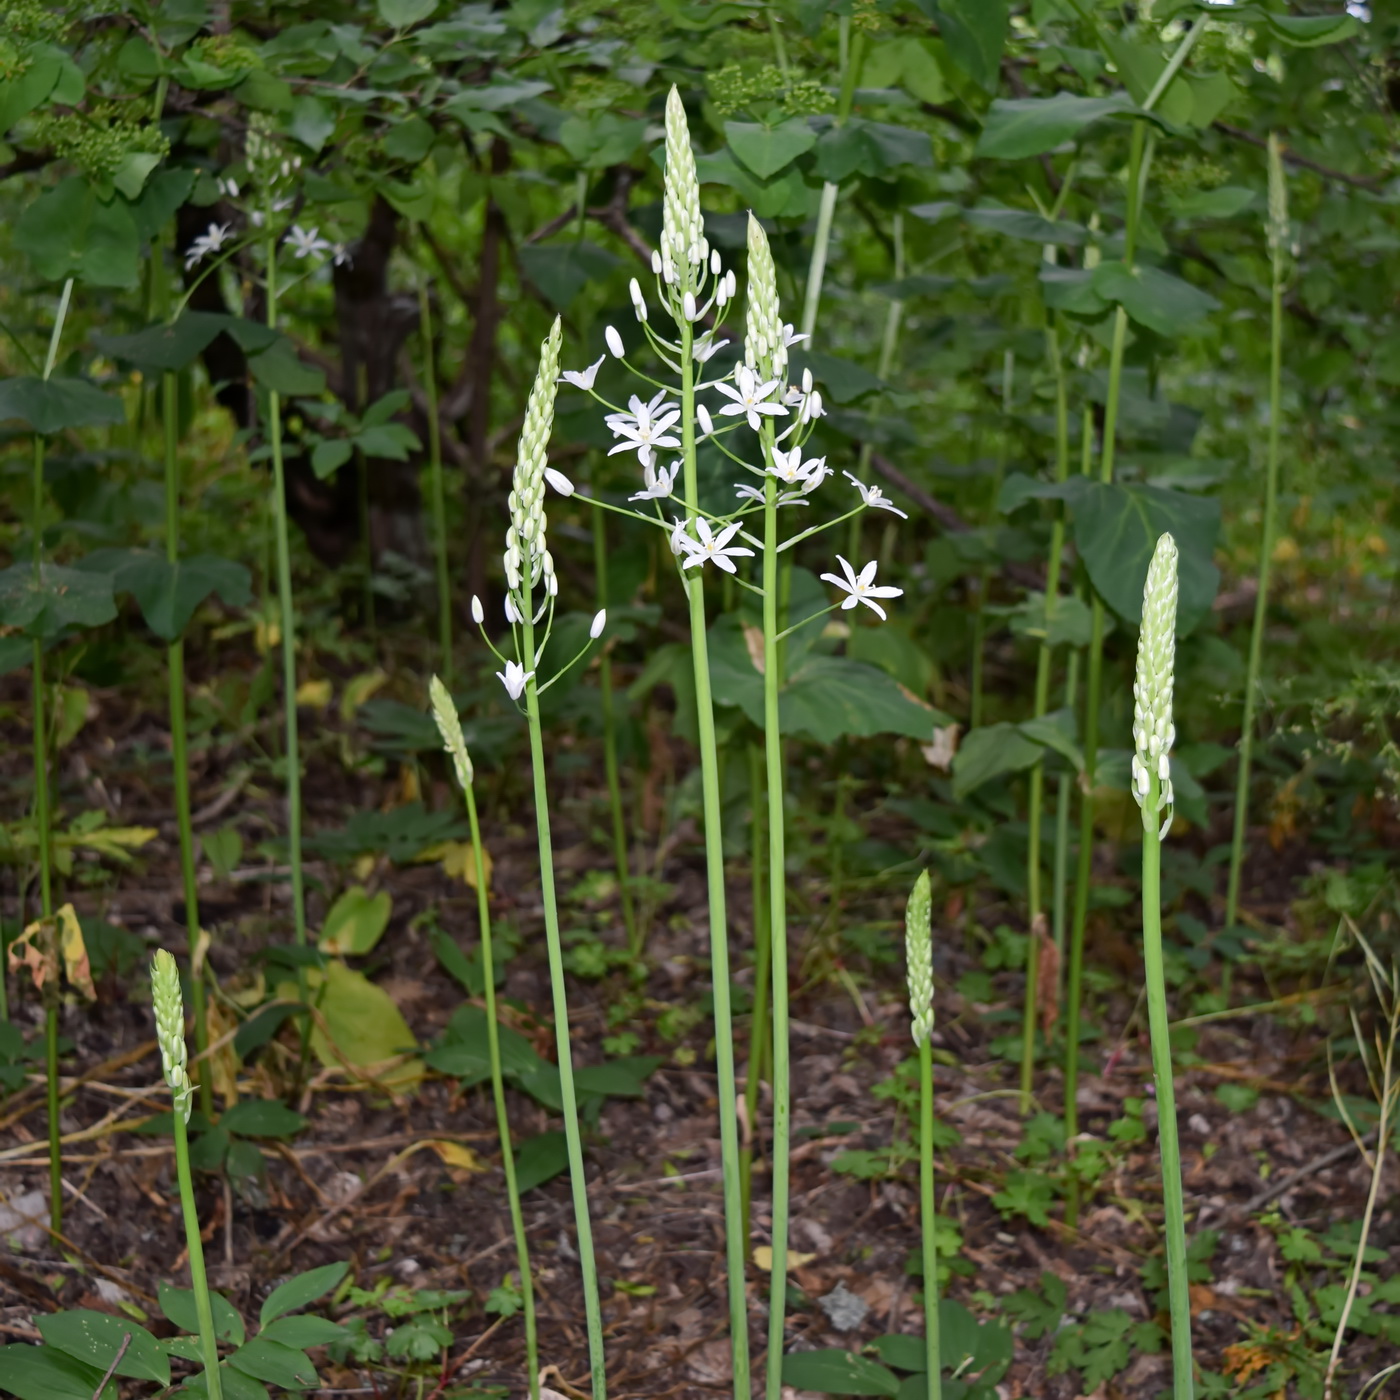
307 242
707 547
645 427
210 241
1153 730
583 378
751 397
874 497
659 482
861 587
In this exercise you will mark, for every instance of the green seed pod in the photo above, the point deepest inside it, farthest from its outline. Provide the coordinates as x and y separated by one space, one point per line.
450 727
1153 730
764 350
526 552
170 1028
918 956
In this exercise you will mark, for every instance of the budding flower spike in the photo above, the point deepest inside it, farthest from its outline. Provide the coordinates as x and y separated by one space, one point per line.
1153 730
170 1029
449 726
918 956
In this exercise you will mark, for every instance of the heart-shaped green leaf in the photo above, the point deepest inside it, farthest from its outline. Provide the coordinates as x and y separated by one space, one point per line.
767 149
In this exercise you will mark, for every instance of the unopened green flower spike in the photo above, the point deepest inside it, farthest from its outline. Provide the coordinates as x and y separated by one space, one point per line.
765 349
450 728
1153 730
526 552
684 247
170 1028
918 955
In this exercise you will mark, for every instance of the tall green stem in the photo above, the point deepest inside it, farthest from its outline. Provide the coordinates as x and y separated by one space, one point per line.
199 1284
1037 922
498 1095
735 1230
1266 550
573 1137
979 616
436 493
928 1215
621 860
777 918
760 1038
288 628
1138 162
1178 1289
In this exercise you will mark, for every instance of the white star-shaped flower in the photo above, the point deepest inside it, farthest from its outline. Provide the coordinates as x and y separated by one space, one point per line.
712 547
645 427
873 496
861 588
307 242
660 482
210 241
514 678
791 470
751 397
583 378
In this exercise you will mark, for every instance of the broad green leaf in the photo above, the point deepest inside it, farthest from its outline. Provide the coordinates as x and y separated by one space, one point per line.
329 456
1072 289
55 404
165 192
907 1353
831 1371
179 1307
1056 731
165 347
767 149
388 441
843 380
169 593
363 1028
313 122
355 922
1070 622
1028 126
21 95
134 170
870 148
465 1050
262 1118
1116 528
59 598
404 14
991 751
1152 297
1307 31
561 271
69 232
601 140
96 1338
540 1158
410 140
833 697
495 96
266 1360
305 1332
622 1078
40 1373
1222 203
300 1290
280 370
1026 224
975 33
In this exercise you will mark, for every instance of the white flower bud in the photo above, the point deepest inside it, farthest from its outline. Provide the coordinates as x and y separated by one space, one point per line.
559 481
600 621
656 262
478 612
614 342
714 262
512 612
688 306
702 416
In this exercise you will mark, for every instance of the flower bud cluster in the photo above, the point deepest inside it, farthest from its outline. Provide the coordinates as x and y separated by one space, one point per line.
684 247
918 956
270 168
449 726
765 337
170 1028
1153 730
527 556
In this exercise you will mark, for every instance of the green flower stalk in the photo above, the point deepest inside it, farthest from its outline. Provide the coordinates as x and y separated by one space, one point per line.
918 956
1278 236
170 1035
454 744
1153 735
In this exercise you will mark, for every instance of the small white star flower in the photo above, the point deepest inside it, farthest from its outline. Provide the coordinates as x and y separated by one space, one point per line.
645 427
210 241
791 470
514 678
873 496
705 345
712 547
751 397
307 242
583 378
861 588
660 482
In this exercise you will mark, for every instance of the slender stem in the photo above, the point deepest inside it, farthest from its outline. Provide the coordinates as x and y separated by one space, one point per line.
1037 921
1178 1293
760 1037
777 905
929 1220
498 1094
436 492
1139 158
1060 891
735 1231
573 1136
621 860
979 616
208 1342
1261 598
288 628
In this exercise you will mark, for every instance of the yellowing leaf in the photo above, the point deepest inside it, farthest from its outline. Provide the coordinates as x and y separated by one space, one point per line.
355 922
459 861
763 1258
360 689
456 1154
76 967
34 949
315 695
72 704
